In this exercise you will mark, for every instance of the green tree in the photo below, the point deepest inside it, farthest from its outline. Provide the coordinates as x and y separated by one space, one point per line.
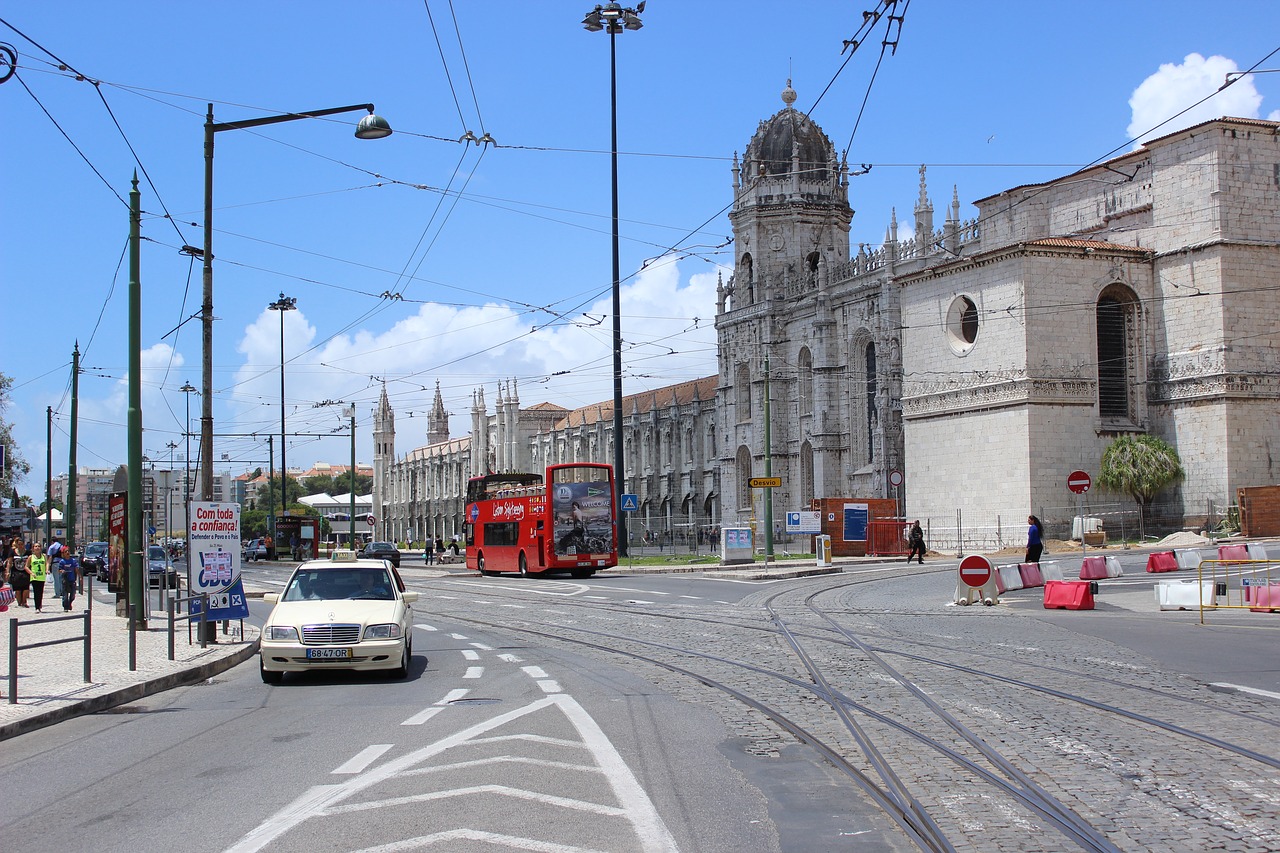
15 467
342 484
1140 466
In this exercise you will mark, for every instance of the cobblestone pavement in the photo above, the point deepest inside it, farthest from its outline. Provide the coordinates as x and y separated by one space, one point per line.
51 685
1105 732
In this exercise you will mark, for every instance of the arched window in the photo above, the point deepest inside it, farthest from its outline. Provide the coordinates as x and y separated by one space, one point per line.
742 383
744 475
811 268
805 381
870 365
747 279
1118 350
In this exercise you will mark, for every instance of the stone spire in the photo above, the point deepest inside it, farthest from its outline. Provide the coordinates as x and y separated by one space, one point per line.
437 420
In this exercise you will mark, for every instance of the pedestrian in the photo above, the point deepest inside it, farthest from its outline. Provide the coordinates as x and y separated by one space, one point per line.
38 569
19 577
916 540
66 568
429 551
1035 539
51 553
453 546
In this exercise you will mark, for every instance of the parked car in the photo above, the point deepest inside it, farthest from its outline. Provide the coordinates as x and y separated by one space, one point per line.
382 551
340 613
159 567
255 550
95 560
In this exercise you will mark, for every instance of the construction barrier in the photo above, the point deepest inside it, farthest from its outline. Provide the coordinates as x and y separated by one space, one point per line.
1031 576
1184 595
1162 561
1242 584
1051 571
1097 568
887 538
1188 558
1068 595
1008 578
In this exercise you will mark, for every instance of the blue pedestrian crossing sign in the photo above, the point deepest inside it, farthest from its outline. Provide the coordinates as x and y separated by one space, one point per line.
630 503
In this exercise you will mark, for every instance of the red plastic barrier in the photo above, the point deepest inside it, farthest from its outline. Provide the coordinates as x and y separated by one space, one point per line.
1162 561
1030 573
1093 568
1266 599
1067 595
1233 552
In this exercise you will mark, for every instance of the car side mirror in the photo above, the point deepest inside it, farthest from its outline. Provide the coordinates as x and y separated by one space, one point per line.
409 597
271 597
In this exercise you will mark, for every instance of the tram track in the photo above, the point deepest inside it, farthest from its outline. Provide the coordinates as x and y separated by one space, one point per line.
904 734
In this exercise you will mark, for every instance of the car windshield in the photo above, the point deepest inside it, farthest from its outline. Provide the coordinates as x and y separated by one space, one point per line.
329 584
96 548
155 552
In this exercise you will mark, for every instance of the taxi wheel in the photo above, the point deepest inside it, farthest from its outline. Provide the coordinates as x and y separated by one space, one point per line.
524 566
268 676
402 671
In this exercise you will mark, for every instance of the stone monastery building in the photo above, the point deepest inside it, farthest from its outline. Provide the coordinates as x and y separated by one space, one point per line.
983 361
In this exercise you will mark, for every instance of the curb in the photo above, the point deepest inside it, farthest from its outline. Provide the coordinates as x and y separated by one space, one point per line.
132 693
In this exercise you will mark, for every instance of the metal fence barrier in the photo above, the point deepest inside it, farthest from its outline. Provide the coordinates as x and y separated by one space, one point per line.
14 622
1241 584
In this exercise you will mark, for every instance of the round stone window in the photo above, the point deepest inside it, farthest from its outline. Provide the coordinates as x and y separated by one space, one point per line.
962 324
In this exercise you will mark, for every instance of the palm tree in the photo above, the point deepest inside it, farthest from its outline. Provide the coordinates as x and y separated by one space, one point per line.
1141 466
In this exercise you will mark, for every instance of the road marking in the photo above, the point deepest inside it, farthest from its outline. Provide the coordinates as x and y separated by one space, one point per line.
597 597
469 654
422 716
423 627
459 636
694 597
549 686
482 647
514 606
510 658
473 672
638 601
362 759
634 804
534 671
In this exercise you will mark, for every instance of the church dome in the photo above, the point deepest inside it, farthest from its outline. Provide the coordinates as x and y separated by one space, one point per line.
789 131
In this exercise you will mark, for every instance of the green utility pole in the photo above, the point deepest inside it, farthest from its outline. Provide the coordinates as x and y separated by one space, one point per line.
137 592
768 468
353 476
71 456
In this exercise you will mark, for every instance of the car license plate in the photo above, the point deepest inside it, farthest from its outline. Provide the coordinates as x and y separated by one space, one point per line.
327 654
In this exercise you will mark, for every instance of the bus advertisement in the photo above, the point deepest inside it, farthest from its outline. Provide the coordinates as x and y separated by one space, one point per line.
531 523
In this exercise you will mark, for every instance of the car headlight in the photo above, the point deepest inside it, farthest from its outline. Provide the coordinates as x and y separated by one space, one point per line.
281 632
389 631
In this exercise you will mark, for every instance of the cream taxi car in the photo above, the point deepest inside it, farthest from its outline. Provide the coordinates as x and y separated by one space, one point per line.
340 613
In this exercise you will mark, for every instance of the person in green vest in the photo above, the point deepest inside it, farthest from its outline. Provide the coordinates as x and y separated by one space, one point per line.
38 568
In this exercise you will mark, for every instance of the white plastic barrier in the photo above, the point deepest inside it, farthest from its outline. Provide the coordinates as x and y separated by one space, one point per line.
1113 568
1188 558
1257 551
1051 571
1083 524
1184 595
1009 578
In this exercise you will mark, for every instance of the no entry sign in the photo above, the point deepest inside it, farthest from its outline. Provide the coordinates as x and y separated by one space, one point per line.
1079 482
975 571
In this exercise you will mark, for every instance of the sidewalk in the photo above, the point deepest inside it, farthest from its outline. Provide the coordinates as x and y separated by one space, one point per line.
51 685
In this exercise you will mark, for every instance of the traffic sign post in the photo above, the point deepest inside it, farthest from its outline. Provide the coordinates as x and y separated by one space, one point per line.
976 580
1079 482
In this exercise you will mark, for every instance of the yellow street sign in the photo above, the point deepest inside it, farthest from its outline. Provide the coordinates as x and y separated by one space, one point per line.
765 482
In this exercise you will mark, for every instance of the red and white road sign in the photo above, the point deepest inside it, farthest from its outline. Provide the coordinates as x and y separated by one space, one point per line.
1079 482
975 571
371 521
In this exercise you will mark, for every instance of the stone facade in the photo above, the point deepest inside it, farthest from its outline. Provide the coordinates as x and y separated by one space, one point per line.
987 360
670 457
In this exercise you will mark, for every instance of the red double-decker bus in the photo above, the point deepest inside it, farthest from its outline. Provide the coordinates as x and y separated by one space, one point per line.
531 523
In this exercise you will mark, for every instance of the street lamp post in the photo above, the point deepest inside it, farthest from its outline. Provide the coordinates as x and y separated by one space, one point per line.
168 488
370 127
186 390
283 304
613 18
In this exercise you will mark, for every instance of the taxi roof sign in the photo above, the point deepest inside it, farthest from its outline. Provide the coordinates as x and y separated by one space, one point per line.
344 555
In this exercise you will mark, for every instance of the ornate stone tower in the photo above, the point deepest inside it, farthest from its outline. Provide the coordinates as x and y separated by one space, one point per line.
790 218
437 420
384 456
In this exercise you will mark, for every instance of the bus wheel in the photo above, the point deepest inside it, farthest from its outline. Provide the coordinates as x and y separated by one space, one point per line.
524 566
581 573
480 566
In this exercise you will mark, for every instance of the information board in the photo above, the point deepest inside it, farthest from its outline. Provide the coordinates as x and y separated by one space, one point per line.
855 522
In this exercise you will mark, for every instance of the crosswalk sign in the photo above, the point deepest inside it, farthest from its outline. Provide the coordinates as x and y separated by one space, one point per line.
630 503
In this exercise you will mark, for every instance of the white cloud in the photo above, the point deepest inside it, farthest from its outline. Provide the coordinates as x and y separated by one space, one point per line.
1173 88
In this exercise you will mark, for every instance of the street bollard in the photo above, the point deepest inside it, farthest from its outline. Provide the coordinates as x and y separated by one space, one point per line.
133 639
13 660
171 620
88 641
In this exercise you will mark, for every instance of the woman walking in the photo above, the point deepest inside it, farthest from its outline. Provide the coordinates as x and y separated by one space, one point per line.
1035 539
19 577
38 568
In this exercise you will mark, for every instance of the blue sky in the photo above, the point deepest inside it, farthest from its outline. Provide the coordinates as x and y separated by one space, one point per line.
500 254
